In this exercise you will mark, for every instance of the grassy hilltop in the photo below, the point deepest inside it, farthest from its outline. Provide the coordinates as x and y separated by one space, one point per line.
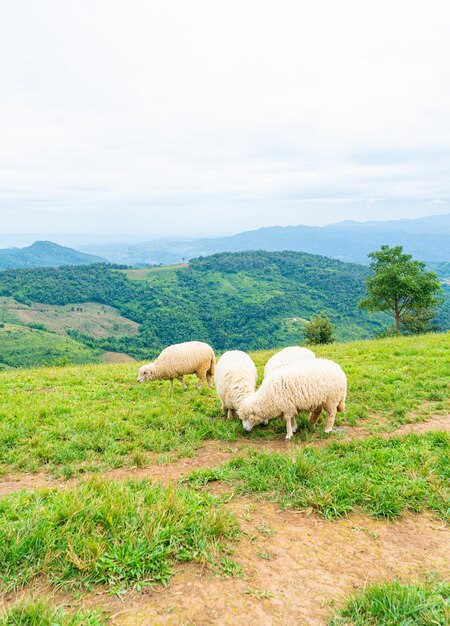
94 417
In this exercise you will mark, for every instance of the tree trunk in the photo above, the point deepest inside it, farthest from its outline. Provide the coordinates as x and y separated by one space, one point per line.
397 318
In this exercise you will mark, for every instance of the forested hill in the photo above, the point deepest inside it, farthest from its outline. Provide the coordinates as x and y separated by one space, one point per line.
245 300
44 254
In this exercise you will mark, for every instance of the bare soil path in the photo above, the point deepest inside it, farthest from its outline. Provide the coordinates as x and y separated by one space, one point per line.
211 454
314 566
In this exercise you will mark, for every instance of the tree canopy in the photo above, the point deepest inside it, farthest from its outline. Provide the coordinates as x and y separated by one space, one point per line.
400 286
318 330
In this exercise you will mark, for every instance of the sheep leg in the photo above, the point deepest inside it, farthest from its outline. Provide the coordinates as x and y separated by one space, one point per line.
171 385
230 414
181 379
201 378
314 416
209 380
330 419
294 424
289 431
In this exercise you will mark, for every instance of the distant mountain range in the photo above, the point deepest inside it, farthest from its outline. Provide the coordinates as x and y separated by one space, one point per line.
44 254
426 238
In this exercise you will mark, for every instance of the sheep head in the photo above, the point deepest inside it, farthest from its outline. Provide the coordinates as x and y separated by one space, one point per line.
146 372
247 414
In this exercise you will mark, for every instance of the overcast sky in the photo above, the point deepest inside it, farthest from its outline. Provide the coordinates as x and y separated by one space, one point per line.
183 118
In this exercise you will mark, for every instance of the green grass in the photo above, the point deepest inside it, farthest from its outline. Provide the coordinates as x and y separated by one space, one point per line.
21 346
39 613
391 378
103 532
397 604
382 478
90 418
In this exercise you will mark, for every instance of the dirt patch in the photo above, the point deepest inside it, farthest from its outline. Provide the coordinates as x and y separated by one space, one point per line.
437 423
10 484
313 564
296 568
117 357
211 454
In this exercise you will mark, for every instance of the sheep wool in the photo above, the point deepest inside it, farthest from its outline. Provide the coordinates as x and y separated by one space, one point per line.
235 378
180 359
311 386
287 356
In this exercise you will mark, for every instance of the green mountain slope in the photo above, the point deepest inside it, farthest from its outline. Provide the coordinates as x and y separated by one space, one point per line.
24 347
44 254
250 300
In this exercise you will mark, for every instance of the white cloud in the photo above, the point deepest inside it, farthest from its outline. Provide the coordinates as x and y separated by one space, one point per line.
186 118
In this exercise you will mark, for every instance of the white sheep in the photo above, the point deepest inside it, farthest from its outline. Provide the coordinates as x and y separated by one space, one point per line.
287 356
309 386
235 378
190 357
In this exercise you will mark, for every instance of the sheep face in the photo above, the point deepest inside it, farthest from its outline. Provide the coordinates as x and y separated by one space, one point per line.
146 372
248 416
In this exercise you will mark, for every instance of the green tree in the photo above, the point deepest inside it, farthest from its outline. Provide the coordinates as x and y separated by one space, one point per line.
319 329
400 286
419 322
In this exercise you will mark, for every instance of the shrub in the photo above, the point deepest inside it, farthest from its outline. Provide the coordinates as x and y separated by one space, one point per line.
318 330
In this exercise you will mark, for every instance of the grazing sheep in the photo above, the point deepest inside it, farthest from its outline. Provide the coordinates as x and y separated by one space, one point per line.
191 357
287 356
235 379
310 386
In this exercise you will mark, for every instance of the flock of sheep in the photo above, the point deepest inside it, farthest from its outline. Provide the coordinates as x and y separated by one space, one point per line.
294 381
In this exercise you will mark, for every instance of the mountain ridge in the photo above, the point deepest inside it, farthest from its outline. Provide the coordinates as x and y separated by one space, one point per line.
427 239
45 254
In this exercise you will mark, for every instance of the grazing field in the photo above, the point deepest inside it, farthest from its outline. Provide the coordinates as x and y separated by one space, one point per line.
96 417
125 504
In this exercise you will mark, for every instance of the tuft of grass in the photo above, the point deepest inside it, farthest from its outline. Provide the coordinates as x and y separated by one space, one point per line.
104 532
397 604
382 477
40 613
231 569
259 594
